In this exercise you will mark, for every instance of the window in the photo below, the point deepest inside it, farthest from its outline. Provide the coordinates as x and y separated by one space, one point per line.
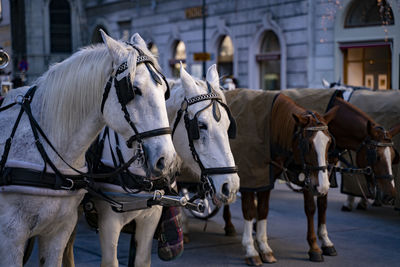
60 27
125 30
270 62
368 64
225 57
153 48
369 13
179 56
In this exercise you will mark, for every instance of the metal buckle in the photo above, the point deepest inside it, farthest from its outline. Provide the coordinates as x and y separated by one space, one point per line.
68 187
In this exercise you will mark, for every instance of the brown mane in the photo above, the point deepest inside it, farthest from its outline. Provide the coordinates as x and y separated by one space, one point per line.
282 122
355 110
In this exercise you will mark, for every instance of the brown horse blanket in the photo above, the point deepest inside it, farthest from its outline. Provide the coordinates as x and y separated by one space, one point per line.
251 148
384 108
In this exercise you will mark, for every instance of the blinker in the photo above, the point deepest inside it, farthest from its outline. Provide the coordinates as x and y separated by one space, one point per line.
124 90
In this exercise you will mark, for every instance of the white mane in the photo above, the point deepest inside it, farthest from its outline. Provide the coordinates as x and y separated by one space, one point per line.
71 89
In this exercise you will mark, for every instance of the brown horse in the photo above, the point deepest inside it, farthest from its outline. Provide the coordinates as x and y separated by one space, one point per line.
353 130
300 137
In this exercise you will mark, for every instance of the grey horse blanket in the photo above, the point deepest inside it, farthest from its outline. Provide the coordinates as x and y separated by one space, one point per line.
384 108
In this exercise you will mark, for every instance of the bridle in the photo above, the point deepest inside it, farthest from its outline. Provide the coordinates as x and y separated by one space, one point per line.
192 129
126 92
303 145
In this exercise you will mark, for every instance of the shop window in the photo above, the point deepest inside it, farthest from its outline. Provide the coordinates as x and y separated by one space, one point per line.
225 57
269 61
179 55
60 27
368 64
364 13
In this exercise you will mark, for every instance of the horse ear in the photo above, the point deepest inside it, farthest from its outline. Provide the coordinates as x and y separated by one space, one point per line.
395 130
370 129
138 40
299 119
325 83
212 76
331 114
187 80
114 47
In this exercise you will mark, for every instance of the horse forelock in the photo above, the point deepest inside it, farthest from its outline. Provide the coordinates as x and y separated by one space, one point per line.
72 89
282 123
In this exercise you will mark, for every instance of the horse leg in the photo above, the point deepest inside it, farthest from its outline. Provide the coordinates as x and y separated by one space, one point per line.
68 256
261 234
362 204
110 225
12 246
315 253
145 227
229 227
53 243
348 204
249 213
327 246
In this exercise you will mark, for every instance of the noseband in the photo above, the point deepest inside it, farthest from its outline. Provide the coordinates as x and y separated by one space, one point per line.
191 126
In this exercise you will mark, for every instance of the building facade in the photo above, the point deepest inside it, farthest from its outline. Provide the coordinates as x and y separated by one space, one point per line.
267 44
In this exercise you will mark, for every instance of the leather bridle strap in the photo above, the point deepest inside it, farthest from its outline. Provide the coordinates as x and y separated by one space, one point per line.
148 134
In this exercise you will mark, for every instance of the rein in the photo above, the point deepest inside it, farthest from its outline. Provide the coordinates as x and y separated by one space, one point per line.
82 180
207 187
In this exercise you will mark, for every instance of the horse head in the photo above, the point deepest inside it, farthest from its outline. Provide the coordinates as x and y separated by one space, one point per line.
310 149
203 140
378 153
134 104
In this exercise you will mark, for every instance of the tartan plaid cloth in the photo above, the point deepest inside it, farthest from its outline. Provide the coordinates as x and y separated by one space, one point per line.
169 234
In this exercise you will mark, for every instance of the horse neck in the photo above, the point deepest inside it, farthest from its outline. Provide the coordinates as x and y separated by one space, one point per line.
348 126
282 123
68 99
74 144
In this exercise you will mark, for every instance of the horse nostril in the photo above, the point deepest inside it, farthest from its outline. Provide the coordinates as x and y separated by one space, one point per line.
160 165
225 189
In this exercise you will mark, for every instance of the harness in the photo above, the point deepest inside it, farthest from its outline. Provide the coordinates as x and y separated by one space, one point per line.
125 92
301 173
193 133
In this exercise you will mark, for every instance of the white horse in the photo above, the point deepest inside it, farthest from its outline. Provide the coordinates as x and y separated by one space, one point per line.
68 106
212 147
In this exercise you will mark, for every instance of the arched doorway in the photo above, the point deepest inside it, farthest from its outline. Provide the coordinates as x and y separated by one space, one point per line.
368 63
367 44
269 62
225 57
179 55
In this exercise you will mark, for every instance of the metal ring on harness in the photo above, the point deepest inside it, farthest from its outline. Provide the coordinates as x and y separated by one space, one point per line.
68 187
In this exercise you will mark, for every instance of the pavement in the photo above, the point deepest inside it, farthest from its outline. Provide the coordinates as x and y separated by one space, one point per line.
361 238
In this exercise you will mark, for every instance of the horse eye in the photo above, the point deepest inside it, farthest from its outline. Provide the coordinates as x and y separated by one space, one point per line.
202 126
